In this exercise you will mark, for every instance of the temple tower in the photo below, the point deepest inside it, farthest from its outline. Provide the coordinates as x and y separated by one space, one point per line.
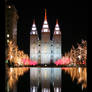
45 42
57 42
34 43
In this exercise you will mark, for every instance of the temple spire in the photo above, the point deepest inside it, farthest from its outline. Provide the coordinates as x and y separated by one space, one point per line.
56 21
57 29
34 29
45 27
45 15
34 21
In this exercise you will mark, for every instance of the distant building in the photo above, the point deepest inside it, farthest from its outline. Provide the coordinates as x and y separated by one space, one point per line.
11 18
45 50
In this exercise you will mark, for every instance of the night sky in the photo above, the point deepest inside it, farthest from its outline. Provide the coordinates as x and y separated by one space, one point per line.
73 22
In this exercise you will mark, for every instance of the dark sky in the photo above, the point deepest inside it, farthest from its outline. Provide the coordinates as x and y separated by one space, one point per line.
73 22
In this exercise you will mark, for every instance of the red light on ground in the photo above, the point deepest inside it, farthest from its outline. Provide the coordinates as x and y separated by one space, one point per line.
29 62
63 61
84 62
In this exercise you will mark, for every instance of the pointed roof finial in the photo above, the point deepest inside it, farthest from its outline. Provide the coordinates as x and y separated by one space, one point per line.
56 21
45 14
34 21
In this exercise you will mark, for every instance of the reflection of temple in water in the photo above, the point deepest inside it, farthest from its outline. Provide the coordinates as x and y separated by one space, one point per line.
45 78
46 49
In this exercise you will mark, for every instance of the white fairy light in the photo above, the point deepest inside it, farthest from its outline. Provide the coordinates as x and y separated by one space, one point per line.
7 35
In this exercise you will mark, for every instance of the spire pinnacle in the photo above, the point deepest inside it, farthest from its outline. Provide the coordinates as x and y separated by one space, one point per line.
45 15
34 21
34 26
56 21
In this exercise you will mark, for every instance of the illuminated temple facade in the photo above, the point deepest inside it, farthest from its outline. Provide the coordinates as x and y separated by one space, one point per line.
45 51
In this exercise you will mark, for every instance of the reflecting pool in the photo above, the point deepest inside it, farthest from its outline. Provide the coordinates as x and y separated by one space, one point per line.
47 79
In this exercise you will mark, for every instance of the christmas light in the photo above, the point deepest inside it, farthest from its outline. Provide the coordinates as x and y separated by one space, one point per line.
7 35
63 61
78 56
9 6
7 41
17 57
13 75
79 73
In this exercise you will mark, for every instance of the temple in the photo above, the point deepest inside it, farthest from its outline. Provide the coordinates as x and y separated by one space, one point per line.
45 51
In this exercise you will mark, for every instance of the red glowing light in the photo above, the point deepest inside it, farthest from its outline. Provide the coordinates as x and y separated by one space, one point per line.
29 62
63 61
84 62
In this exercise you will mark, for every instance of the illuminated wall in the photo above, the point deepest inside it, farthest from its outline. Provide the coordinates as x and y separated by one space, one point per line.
45 53
45 43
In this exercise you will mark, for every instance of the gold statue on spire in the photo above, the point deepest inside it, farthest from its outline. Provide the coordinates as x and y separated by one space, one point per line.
45 15
56 21
34 21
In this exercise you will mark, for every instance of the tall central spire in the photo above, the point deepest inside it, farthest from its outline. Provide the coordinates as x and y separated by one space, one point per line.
45 27
56 21
45 15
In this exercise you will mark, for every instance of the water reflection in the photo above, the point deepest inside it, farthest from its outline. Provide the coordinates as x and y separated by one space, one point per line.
53 76
79 73
46 77
12 76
